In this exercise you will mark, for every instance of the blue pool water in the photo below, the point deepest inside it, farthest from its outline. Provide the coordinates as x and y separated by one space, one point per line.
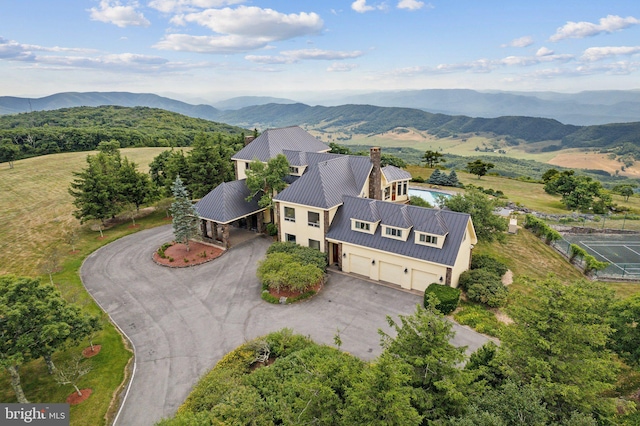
427 195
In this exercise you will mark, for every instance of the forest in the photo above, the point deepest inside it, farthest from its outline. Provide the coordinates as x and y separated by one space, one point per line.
83 128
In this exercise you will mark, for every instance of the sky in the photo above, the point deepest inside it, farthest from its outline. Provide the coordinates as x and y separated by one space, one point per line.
301 49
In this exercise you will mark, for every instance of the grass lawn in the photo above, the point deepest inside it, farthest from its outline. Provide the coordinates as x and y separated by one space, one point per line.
37 212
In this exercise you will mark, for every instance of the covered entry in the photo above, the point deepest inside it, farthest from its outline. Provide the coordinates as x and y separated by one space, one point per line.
226 215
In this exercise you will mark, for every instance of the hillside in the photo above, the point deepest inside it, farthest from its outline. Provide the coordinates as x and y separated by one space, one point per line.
371 120
14 105
82 128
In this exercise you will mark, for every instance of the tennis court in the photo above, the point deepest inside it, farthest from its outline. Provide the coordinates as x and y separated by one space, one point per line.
622 251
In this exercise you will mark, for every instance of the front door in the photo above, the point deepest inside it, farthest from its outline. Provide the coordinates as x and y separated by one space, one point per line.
335 254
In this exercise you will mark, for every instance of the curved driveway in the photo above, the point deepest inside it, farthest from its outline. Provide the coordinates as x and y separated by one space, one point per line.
182 321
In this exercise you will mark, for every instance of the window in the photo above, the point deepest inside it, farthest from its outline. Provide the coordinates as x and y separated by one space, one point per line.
290 238
314 244
429 239
289 214
362 225
387 192
402 188
247 166
314 219
394 232
293 170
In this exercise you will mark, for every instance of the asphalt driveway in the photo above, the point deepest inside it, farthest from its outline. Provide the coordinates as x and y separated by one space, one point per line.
182 321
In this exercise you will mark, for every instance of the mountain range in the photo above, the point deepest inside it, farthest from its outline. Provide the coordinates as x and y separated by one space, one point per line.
584 108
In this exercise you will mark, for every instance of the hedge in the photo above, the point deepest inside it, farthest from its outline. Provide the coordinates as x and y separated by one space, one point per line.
484 261
448 297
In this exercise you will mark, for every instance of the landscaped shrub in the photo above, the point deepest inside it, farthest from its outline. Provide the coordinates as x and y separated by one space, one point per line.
478 318
272 229
484 261
448 297
491 293
301 254
418 179
281 270
484 286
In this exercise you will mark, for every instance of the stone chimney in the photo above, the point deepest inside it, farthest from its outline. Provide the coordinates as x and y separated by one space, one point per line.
248 140
375 178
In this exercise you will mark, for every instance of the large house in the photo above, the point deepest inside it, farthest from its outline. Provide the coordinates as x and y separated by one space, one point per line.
347 206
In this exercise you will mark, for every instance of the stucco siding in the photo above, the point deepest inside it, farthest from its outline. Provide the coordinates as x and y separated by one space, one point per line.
464 255
300 227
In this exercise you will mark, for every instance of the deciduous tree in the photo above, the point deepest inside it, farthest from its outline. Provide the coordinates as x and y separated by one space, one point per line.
488 226
479 168
268 178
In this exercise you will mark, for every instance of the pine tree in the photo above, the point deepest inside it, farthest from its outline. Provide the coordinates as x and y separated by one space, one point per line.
453 179
185 217
435 178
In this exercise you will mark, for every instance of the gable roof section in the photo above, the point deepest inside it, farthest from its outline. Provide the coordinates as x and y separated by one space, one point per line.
227 202
394 174
273 141
441 222
328 178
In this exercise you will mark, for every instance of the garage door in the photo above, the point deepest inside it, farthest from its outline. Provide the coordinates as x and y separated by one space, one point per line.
391 273
420 280
359 265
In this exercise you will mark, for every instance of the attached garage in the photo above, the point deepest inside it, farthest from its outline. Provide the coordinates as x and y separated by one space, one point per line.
390 272
420 280
359 265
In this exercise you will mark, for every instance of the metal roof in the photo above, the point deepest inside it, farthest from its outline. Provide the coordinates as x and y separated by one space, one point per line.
423 219
227 202
393 174
273 141
328 178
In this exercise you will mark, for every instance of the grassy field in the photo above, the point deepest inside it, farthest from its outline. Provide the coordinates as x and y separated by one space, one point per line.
37 212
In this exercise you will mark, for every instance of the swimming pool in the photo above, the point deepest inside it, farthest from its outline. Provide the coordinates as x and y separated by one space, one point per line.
428 195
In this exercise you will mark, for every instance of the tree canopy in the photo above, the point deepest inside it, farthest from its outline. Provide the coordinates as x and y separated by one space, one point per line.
268 178
479 167
433 158
488 225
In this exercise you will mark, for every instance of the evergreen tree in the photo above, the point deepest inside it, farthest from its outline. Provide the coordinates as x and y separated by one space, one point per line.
453 179
135 187
558 344
422 340
436 177
185 217
96 190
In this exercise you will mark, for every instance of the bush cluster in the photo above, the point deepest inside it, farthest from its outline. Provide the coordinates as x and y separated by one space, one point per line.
289 266
483 282
541 229
590 263
447 297
304 255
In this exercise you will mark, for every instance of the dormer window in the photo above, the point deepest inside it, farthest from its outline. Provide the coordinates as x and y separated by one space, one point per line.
429 239
363 226
293 170
393 232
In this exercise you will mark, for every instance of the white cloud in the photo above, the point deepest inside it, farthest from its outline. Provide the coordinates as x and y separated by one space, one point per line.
241 29
341 67
209 44
174 6
67 57
583 29
413 5
112 12
543 51
361 6
593 54
520 42
293 56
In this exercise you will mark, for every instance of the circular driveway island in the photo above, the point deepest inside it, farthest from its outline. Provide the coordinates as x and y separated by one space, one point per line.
181 321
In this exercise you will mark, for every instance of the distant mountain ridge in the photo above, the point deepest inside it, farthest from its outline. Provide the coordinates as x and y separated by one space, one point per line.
360 119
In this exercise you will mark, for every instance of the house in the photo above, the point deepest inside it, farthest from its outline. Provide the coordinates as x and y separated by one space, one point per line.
347 206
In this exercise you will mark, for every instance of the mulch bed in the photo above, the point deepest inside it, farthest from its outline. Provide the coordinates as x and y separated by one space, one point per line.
75 399
88 352
198 253
289 293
